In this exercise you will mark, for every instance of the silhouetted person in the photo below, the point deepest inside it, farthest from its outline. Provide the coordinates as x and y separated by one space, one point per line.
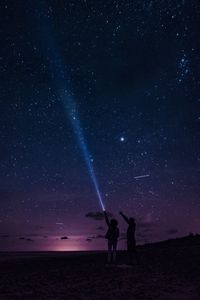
131 242
112 237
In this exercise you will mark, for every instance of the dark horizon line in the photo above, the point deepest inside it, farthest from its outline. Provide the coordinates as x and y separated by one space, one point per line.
190 235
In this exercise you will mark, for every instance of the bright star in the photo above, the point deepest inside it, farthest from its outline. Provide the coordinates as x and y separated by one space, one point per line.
122 139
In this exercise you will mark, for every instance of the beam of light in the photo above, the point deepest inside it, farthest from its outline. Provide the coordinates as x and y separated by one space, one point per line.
141 176
62 81
73 117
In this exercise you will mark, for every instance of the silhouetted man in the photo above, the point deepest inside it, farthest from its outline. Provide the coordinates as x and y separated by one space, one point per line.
131 242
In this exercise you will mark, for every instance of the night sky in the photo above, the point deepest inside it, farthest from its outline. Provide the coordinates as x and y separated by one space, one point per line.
112 86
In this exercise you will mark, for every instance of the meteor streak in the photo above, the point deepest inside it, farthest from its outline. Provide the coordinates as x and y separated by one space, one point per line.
58 73
141 176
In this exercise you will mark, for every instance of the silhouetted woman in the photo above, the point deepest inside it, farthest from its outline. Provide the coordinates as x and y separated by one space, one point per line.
112 237
131 242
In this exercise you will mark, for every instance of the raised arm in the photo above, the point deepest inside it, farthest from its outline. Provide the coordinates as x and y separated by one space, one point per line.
124 217
106 218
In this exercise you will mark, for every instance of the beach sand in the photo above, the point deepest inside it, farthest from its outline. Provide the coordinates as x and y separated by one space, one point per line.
164 273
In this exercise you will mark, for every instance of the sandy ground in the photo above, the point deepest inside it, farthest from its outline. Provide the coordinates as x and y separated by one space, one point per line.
164 273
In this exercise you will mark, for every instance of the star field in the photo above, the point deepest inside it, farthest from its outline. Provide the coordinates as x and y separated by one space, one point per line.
132 69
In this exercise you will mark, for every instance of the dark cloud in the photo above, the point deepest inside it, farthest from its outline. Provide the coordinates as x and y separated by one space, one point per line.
64 238
172 231
89 239
29 240
97 215
5 236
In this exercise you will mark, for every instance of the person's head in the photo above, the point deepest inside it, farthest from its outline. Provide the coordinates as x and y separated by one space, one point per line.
132 221
113 222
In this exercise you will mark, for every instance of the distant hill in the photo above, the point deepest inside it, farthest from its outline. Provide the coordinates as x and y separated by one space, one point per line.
189 240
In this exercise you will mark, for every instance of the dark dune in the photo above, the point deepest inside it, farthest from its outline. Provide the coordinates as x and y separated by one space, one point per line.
169 270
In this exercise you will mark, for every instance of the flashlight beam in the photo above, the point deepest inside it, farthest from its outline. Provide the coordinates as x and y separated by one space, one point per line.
61 79
75 122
